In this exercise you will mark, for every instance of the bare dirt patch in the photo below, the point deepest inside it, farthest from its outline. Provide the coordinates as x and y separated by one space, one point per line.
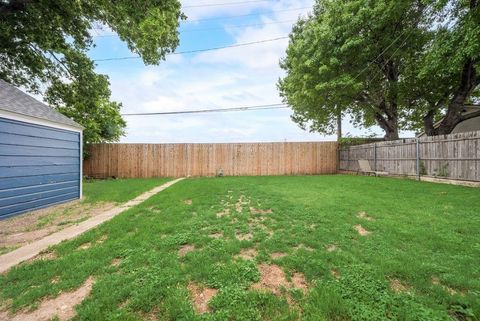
272 279
216 235
277 255
62 306
116 262
398 287
223 213
361 230
335 274
304 247
188 202
247 254
244 237
85 246
184 249
35 225
243 200
201 297
102 239
45 255
436 281
254 210
364 216
299 282
331 248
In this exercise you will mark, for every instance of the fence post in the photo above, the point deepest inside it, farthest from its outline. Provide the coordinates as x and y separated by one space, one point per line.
375 156
418 158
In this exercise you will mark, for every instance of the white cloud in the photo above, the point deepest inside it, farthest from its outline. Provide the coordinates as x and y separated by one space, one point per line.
234 77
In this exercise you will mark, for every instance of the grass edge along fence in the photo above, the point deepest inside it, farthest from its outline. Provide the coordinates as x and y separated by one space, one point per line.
454 156
229 159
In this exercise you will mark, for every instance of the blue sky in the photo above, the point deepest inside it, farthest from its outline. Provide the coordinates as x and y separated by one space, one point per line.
230 77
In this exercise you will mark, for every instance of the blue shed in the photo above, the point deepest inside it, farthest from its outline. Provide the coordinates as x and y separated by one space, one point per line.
40 154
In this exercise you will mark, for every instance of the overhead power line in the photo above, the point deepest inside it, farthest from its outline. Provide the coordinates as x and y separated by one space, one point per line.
224 4
212 110
199 50
247 15
221 28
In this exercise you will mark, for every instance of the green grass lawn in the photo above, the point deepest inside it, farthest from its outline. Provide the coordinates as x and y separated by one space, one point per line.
118 190
304 258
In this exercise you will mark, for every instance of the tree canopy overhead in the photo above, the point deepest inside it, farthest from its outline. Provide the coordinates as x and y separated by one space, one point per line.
392 63
44 45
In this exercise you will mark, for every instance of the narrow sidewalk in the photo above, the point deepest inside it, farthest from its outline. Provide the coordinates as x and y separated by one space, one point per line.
33 249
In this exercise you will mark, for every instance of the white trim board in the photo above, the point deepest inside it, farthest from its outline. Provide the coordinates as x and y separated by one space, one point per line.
37 121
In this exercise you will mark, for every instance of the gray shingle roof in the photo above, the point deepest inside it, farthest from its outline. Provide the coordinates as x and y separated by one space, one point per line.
14 100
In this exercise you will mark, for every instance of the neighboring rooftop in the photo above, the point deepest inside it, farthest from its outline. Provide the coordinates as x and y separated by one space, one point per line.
14 100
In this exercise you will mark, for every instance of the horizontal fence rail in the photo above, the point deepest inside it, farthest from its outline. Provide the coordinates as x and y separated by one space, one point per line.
235 159
454 156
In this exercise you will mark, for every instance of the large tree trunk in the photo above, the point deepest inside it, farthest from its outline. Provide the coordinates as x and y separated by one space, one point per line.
388 123
469 81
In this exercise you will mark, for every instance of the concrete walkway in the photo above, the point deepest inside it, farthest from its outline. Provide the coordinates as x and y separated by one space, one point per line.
33 249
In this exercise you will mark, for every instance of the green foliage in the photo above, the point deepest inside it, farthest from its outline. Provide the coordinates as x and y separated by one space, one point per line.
348 58
353 141
44 45
397 64
443 170
416 234
423 169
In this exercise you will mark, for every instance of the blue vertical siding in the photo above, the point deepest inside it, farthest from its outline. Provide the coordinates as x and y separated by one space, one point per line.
39 166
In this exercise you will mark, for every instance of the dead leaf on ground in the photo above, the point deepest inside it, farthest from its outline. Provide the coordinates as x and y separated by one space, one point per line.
188 202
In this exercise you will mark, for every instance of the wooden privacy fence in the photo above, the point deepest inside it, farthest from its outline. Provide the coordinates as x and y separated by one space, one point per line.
178 160
455 156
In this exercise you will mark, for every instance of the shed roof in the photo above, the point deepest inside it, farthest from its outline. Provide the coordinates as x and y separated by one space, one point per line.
14 100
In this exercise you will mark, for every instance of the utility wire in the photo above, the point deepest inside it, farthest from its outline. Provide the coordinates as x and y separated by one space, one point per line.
214 110
199 50
220 28
246 15
224 4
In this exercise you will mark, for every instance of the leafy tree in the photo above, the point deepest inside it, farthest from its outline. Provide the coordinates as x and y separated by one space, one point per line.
348 57
445 75
44 45
399 64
